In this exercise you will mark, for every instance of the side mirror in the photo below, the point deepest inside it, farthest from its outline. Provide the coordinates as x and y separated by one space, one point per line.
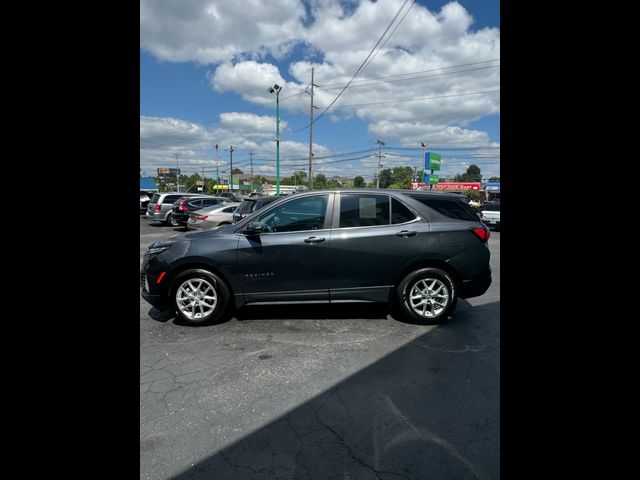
253 228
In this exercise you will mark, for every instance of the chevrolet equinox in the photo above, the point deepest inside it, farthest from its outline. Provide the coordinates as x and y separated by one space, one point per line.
418 251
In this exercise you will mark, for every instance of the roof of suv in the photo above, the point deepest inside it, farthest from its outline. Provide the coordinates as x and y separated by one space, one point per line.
438 194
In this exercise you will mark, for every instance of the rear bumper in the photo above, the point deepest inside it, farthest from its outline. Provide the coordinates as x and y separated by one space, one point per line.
475 287
158 216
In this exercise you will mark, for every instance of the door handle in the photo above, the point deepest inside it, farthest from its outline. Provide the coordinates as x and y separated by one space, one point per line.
407 233
314 239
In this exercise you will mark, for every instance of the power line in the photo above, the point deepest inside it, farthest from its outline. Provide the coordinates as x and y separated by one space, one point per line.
419 77
410 73
419 98
359 68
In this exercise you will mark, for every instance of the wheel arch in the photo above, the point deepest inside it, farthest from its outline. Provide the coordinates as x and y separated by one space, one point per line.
433 263
196 264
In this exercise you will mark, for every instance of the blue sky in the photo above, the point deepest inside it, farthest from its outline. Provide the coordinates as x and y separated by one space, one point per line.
205 67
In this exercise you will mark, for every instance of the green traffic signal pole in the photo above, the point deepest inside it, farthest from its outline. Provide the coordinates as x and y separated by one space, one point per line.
278 142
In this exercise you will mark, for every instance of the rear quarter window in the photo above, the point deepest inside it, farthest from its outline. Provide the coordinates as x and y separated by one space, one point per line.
155 198
455 209
171 198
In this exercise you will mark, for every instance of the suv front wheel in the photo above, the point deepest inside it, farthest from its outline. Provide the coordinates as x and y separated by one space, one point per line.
199 297
427 296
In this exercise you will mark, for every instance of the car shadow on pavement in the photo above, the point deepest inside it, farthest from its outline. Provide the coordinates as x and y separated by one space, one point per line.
429 409
339 311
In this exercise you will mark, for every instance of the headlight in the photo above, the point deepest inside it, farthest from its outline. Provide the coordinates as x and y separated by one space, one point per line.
159 246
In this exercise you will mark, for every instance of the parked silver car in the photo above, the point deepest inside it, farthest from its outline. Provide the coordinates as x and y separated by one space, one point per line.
160 207
211 217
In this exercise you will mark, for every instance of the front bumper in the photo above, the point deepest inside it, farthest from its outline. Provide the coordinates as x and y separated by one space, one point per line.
156 301
151 292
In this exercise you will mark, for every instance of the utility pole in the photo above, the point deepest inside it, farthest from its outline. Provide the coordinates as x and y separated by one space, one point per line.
251 178
178 171
217 171
231 168
311 132
380 156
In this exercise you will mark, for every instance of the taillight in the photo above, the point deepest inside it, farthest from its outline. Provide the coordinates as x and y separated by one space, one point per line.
157 207
202 217
182 208
482 233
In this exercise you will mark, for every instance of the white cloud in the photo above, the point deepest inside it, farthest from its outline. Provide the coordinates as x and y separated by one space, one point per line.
235 38
250 124
207 31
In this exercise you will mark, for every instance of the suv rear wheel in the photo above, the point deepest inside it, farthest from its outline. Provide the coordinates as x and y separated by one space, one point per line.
427 296
199 297
172 221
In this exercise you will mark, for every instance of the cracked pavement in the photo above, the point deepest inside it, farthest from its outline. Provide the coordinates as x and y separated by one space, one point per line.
340 391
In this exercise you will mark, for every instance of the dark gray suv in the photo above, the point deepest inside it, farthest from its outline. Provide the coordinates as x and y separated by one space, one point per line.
420 251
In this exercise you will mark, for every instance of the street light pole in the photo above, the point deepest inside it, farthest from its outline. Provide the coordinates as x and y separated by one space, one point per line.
231 168
277 89
278 142
217 171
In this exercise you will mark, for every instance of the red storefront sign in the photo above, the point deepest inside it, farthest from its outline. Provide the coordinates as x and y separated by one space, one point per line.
453 186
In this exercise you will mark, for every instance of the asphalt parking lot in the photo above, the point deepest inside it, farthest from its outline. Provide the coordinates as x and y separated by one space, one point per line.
342 391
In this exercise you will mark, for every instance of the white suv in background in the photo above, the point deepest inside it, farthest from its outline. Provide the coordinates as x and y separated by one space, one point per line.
490 214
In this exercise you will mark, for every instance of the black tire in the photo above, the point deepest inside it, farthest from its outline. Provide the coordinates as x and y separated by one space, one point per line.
218 314
172 221
430 273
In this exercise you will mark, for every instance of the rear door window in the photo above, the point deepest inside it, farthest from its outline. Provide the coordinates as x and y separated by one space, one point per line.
400 213
364 210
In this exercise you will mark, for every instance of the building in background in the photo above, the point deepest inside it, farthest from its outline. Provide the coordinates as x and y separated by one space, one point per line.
492 190
148 185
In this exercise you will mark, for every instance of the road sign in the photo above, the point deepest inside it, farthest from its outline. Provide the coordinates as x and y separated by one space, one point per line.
432 161
433 179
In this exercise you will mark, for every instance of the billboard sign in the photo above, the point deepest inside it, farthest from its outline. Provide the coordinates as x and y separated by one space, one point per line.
167 172
450 186
433 179
492 186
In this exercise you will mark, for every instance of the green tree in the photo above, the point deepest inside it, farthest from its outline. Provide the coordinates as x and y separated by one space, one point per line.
397 177
358 182
237 171
471 175
319 182
386 178
494 179
333 184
